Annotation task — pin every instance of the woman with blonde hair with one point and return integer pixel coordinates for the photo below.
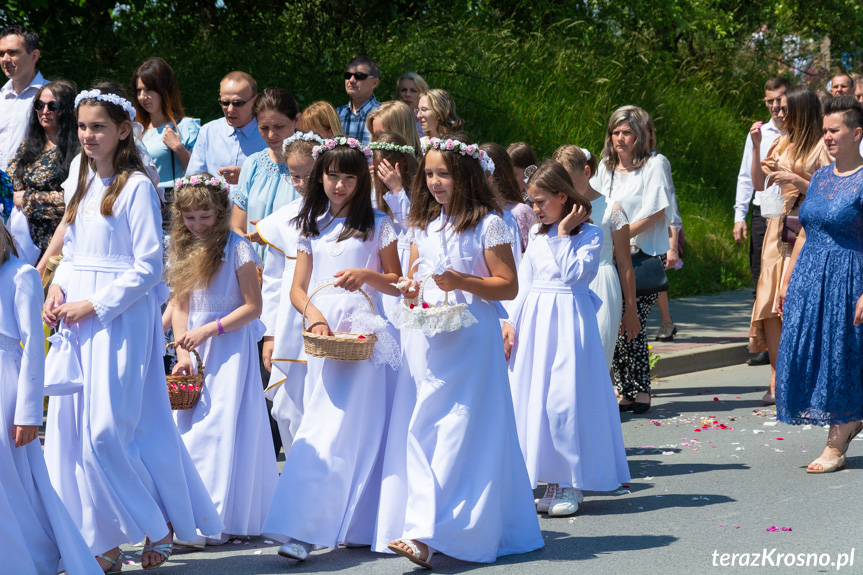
(436, 111)
(394, 116)
(408, 90)
(321, 118)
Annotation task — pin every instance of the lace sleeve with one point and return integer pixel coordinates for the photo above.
(304, 245)
(618, 218)
(388, 234)
(497, 233)
(245, 253)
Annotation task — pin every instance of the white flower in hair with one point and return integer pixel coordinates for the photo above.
(353, 143)
(304, 136)
(97, 94)
(471, 150)
(392, 148)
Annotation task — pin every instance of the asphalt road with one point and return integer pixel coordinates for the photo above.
(736, 486)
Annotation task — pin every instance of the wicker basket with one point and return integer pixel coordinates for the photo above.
(185, 390)
(432, 319)
(342, 346)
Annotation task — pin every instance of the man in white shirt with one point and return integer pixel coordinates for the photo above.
(774, 89)
(19, 53)
(224, 144)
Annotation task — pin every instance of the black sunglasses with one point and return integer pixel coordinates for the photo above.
(360, 76)
(236, 103)
(52, 106)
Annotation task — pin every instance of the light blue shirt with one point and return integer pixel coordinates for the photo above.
(221, 145)
(264, 187)
(166, 161)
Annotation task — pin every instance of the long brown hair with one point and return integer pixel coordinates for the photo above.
(126, 160)
(398, 118)
(552, 178)
(471, 199)
(194, 262)
(503, 176)
(7, 244)
(573, 158)
(157, 75)
(443, 106)
(802, 122)
(406, 162)
(521, 155)
(360, 216)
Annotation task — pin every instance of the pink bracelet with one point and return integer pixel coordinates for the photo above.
(221, 329)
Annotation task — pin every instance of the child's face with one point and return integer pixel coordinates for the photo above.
(98, 134)
(438, 178)
(340, 188)
(199, 222)
(300, 167)
(274, 128)
(547, 207)
(519, 178)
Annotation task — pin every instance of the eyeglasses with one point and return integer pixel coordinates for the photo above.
(235, 103)
(360, 76)
(52, 106)
(299, 180)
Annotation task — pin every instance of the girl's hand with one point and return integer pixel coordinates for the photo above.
(755, 134)
(183, 367)
(18, 199)
(858, 312)
(53, 300)
(253, 236)
(321, 328)
(75, 312)
(572, 220)
(390, 176)
(24, 434)
(672, 257)
(352, 279)
(267, 353)
(630, 326)
(449, 280)
(508, 339)
(195, 337)
(171, 138)
(411, 289)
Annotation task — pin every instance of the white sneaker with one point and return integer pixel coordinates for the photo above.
(542, 504)
(565, 502)
(295, 549)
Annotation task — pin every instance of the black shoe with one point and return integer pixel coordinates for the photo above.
(639, 407)
(760, 358)
(625, 406)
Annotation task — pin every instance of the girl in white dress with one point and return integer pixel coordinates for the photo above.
(113, 451)
(568, 426)
(283, 352)
(213, 274)
(37, 531)
(615, 279)
(467, 491)
(328, 490)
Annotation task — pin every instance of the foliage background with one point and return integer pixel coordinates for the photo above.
(548, 72)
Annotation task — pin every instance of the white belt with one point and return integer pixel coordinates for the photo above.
(102, 263)
(559, 287)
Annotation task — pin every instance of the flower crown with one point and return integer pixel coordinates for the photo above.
(528, 172)
(196, 180)
(304, 136)
(331, 143)
(471, 150)
(97, 94)
(393, 148)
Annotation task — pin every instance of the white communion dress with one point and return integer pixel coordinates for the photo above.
(227, 432)
(286, 387)
(568, 419)
(35, 527)
(466, 491)
(112, 448)
(330, 483)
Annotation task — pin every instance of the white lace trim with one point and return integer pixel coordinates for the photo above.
(304, 245)
(460, 409)
(618, 219)
(9, 343)
(211, 303)
(100, 309)
(387, 350)
(497, 233)
(270, 167)
(388, 234)
(245, 253)
(431, 320)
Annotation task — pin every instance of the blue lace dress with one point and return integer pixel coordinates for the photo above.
(819, 373)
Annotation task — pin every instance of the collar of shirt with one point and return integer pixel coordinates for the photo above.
(365, 108)
(247, 130)
(771, 127)
(37, 82)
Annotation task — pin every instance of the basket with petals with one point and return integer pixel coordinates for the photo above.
(184, 391)
(342, 346)
(431, 319)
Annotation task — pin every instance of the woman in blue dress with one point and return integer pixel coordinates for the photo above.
(819, 379)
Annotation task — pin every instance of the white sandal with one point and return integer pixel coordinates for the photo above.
(414, 552)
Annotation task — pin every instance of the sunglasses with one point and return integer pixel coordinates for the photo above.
(52, 106)
(235, 103)
(360, 76)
